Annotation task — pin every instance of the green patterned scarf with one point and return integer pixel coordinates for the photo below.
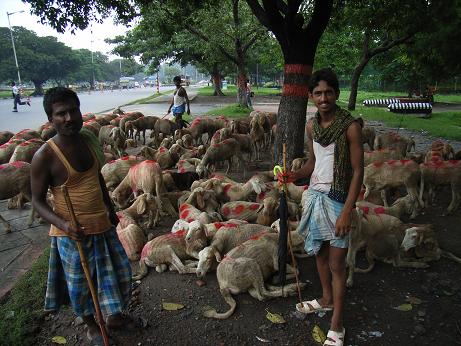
(336, 132)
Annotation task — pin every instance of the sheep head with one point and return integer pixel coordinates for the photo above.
(205, 260)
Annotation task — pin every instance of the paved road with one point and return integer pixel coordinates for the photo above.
(34, 116)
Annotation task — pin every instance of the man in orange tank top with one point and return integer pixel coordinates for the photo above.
(71, 158)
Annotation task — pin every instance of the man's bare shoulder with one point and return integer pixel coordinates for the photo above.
(182, 91)
(43, 155)
(354, 128)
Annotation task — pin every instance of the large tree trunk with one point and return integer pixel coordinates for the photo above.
(216, 76)
(291, 119)
(242, 97)
(38, 84)
(355, 83)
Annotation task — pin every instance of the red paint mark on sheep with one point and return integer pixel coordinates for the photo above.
(184, 214)
(183, 207)
(226, 211)
(239, 209)
(226, 188)
(257, 235)
(18, 164)
(379, 210)
(404, 162)
(378, 163)
(125, 158)
(365, 210)
(254, 206)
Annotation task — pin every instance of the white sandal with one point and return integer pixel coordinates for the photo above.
(311, 306)
(335, 338)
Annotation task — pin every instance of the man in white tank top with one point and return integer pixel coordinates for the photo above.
(179, 102)
(335, 167)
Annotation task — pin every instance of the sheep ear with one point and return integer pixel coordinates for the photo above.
(200, 200)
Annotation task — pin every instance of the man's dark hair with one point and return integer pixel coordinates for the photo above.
(325, 74)
(177, 78)
(58, 94)
(13, 84)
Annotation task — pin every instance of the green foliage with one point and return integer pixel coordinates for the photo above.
(40, 58)
(24, 305)
(231, 111)
(232, 91)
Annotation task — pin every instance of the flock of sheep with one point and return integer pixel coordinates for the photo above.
(232, 227)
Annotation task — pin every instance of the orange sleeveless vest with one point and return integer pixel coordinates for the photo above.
(85, 194)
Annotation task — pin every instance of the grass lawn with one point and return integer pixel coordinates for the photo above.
(443, 124)
(231, 111)
(365, 95)
(7, 94)
(232, 91)
(24, 305)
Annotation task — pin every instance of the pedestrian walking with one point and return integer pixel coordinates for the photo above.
(17, 97)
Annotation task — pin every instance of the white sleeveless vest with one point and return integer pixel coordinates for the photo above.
(322, 177)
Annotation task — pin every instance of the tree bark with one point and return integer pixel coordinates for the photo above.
(355, 83)
(217, 84)
(38, 85)
(291, 118)
(242, 97)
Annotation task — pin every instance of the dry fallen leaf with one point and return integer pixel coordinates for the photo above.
(404, 307)
(414, 300)
(59, 340)
(172, 306)
(318, 335)
(274, 318)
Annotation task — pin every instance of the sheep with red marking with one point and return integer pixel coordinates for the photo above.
(381, 155)
(7, 149)
(5, 136)
(441, 173)
(147, 177)
(115, 171)
(163, 251)
(223, 151)
(133, 240)
(392, 174)
(225, 239)
(142, 124)
(402, 206)
(190, 213)
(394, 141)
(26, 150)
(14, 180)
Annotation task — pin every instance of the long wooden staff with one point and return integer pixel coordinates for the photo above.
(86, 269)
(295, 266)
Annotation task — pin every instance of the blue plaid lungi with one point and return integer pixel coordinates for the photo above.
(179, 110)
(318, 222)
(109, 267)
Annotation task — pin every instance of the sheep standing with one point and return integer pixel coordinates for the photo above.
(223, 151)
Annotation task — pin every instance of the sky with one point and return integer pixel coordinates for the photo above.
(81, 39)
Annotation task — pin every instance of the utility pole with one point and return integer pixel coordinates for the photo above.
(12, 42)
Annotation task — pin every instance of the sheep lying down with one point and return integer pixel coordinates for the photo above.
(246, 268)
(164, 251)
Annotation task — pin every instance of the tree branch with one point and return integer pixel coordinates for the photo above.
(259, 12)
(385, 46)
(320, 18)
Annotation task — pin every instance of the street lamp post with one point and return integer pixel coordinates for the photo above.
(12, 42)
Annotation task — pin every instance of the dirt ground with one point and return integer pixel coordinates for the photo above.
(370, 314)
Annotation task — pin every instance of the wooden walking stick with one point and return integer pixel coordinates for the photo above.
(295, 266)
(86, 269)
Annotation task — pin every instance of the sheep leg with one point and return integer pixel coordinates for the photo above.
(454, 199)
(228, 165)
(399, 263)
(371, 264)
(178, 265)
(143, 270)
(384, 198)
(6, 224)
